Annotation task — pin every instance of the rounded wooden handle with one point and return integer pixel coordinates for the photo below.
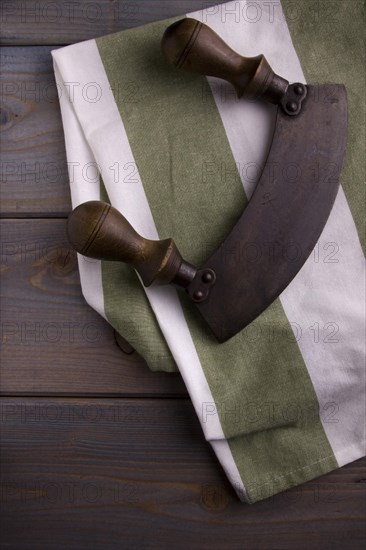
(97, 230)
(192, 45)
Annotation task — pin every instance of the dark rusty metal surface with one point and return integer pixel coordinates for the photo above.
(199, 289)
(285, 216)
(292, 100)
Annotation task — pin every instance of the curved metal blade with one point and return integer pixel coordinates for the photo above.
(285, 216)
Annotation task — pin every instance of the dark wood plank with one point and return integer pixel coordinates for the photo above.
(52, 341)
(65, 22)
(34, 179)
(108, 474)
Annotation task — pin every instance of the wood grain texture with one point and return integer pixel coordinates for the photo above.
(52, 341)
(64, 22)
(34, 176)
(107, 474)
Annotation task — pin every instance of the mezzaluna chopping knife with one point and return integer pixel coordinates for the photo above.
(230, 290)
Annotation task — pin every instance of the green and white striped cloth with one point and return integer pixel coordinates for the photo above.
(284, 400)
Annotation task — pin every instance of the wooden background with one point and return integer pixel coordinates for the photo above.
(98, 452)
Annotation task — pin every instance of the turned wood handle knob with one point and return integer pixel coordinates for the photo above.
(192, 45)
(97, 230)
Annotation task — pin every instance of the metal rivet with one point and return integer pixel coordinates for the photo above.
(198, 295)
(291, 106)
(299, 90)
(207, 277)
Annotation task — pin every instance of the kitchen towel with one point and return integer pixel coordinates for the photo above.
(179, 155)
